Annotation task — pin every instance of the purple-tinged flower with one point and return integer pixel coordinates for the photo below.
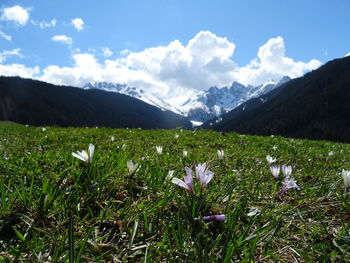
(275, 170)
(286, 170)
(289, 183)
(213, 218)
(270, 159)
(202, 175)
(265, 197)
(93, 186)
(187, 183)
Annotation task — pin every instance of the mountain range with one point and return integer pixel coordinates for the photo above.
(206, 105)
(315, 106)
(38, 103)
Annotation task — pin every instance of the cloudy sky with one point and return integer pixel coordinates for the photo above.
(170, 46)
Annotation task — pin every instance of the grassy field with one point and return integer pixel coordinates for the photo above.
(58, 208)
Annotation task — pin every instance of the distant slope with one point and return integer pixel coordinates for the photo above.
(9, 124)
(316, 106)
(38, 103)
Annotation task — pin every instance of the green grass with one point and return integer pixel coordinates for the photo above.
(9, 124)
(56, 208)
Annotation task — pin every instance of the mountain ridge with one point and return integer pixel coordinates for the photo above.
(315, 106)
(206, 105)
(34, 102)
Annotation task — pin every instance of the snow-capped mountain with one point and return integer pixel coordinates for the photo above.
(133, 92)
(216, 101)
(205, 105)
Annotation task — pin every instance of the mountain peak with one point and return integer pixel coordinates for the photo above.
(207, 104)
(315, 106)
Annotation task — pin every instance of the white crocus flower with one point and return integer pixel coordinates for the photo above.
(112, 138)
(346, 178)
(270, 159)
(275, 170)
(286, 170)
(184, 154)
(253, 211)
(220, 154)
(132, 167)
(85, 156)
(159, 150)
(176, 136)
(170, 175)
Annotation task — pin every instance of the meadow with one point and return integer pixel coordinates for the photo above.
(55, 207)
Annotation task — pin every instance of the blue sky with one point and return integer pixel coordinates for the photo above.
(167, 46)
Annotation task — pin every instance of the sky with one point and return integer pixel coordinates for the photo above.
(170, 47)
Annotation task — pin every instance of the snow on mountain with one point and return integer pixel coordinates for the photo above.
(133, 92)
(216, 101)
(204, 105)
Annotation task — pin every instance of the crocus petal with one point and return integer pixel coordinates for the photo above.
(200, 168)
(283, 190)
(270, 159)
(81, 155)
(275, 171)
(220, 154)
(170, 175)
(132, 167)
(346, 177)
(214, 218)
(189, 182)
(91, 151)
(188, 171)
(253, 211)
(181, 183)
(206, 178)
(286, 170)
(77, 155)
(289, 184)
(130, 164)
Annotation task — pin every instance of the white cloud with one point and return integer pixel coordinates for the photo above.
(7, 53)
(18, 70)
(62, 39)
(176, 70)
(106, 52)
(45, 24)
(272, 63)
(203, 62)
(78, 24)
(5, 36)
(347, 55)
(16, 14)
